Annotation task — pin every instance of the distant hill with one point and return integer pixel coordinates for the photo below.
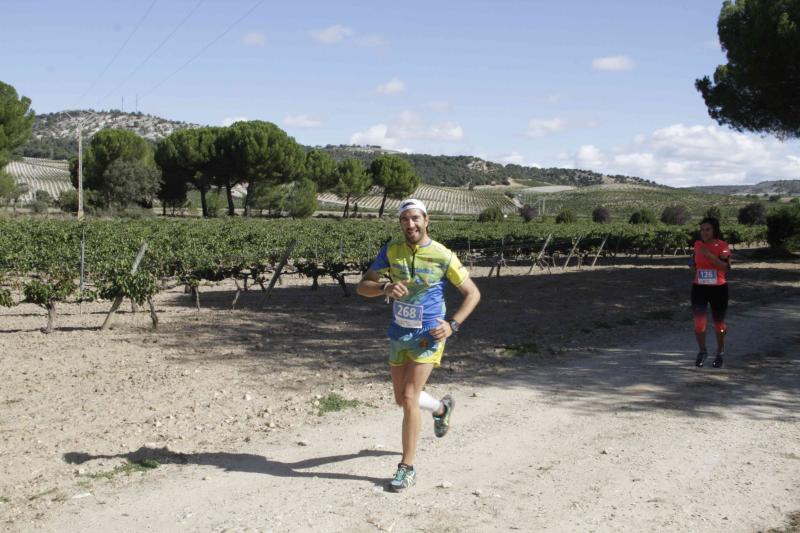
(465, 171)
(55, 137)
(784, 187)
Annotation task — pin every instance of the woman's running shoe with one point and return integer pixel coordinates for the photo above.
(701, 358)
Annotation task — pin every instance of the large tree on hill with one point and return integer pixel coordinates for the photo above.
(188, 156)
(321, 169)
(353, 181)
(16, 121)
(258, 153)
(130, 182)
(396, 175)
(758, 89)
(106, 148)
(301, 202)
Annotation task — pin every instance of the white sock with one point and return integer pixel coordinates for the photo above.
(428, 402)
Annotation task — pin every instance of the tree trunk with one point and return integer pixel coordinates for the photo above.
(229, 194)
(346, 206)
(51, 317)
(342, 283)
(196, 294)
(153, 315)
(383, 203)
(204, 202)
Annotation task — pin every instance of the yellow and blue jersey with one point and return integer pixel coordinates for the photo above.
(426, 268)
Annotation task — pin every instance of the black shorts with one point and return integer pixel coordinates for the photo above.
(715, 295)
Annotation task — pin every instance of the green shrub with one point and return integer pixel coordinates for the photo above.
(601, 215)
(491, 214)
(675, 215)
(565, 217)
(752, 214)
(713, 212)
(783, 228)
(643, 216)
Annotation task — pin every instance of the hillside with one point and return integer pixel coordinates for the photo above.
(55, 137)
(786, 187)
(55, 134)
(465, 171)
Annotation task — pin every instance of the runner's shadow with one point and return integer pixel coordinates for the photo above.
(242, 462)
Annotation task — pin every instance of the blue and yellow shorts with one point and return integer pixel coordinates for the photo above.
(417, 346)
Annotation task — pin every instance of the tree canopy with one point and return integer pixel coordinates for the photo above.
(16, 121)
(758, 89)
(187, 157)
(257, 152)
(321, 169)
(106, 148)
(353, 181)
(396, 175)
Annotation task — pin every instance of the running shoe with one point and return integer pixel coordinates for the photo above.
(442, 423)
(701, 358)
(403, 478)
(718, 360)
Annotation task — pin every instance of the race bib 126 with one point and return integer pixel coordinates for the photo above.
(706, 277)
(407, 315)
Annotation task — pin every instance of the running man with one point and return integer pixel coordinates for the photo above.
(710, 263)
(418, 268)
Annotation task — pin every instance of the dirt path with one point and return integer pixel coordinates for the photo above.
(626, 439)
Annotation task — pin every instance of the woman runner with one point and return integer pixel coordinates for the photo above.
(710, 263)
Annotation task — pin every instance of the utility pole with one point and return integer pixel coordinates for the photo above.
(80, 171)
(137, 103)
(122, 105)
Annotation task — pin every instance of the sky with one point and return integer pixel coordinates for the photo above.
(605, 86)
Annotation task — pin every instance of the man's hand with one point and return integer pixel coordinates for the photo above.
(396, 290)
(442, 331)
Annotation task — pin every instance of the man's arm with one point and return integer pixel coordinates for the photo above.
(372, 286)
(472, 296)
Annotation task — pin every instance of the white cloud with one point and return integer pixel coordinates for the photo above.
(338, 34)
(301, 121)
(554, 98)
(613, 63)
(513, 158)
(370, 41)
(374, 135)
(254, 38)
(332, 34)
(393, 86)
(227, 121)
(540, 127)
(683, 155)
(408, 126)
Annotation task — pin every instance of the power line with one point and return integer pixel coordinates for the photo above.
(204, 48)
(151, 54)
(119, 51)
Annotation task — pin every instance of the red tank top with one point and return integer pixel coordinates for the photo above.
(706, 272)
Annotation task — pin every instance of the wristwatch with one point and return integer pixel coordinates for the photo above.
(454, 325)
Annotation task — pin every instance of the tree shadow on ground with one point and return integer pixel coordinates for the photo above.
(579, 337)
(242, 462)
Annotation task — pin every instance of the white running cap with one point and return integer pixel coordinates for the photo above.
(411, 203)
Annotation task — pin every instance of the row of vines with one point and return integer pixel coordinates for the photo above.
(40, 259)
